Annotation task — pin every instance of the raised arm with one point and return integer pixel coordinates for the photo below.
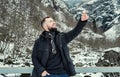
(69, 36)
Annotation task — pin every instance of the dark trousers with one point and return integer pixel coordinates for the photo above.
(57, 75)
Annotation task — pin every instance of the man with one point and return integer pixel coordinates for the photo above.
(50, 54)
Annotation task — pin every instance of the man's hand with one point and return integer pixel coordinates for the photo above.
(44, 73)
(84, 16)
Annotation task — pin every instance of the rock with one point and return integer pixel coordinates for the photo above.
(110, 58)
(25, 75)
(8, 60)
(79, 64)
(1, 60)
(27, 64)
(87, 76)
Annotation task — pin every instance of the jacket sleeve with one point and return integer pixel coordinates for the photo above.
(35, 59)
(69, 36)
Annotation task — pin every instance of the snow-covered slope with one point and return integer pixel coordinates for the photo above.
(87, 33)
(117, 49)
(105, 13)
(19, 27)
(102, 11)
(113, 33)
(56, 4)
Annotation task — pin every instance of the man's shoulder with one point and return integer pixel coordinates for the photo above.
(38, 39)
(61, 35)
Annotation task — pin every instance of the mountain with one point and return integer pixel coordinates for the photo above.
(105, 13)
(113, 33)
(20, 20)
(71, 3)
(105, 16)
(20, 27)
(56, 4)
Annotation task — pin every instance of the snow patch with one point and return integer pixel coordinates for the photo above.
(91, 1)
(90, 74)
(88, 33)
(117, 49)
(1, 25)
(113, 33)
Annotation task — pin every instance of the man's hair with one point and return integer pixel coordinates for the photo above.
(43, 20)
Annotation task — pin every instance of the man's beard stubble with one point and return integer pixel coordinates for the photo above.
(53, 29)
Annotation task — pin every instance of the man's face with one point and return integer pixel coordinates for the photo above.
(50, 23)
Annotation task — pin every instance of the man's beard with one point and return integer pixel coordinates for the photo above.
(53, 29)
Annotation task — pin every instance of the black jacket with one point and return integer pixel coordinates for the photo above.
(41, 50)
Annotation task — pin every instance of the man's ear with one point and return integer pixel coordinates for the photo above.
(44, 24)
(45, 27)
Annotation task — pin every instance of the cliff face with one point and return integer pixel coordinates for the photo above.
(20, 25)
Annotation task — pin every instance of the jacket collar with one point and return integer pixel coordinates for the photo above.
(46, 34)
